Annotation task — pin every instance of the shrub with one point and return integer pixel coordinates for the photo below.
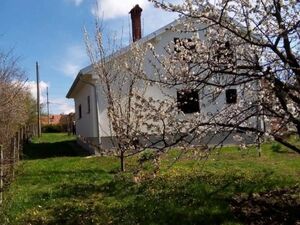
(276, 147)
(147, 155)
(52, 129)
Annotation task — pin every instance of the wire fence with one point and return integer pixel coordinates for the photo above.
(10, 155)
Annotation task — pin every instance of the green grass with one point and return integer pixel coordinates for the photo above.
(52, 145)
(53, 138)
(81, 190)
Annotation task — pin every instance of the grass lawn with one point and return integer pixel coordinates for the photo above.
(52, 145)
(76, 190)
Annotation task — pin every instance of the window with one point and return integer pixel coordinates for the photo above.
(224, 54)
(79, 112)
(231, 96)
(188, 101)
(88, 104)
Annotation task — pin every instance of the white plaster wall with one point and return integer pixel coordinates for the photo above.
(104, 123)
(86, 126)
(154, 92)
(159, 43)
(205, 108)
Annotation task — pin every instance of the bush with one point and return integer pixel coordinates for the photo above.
(147, 155)
(276, 147)
(52, 129)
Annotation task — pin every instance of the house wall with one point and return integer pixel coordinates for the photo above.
(86, 126)
(205, 106)
(159, 43)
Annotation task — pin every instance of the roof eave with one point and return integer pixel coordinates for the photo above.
(74, 84)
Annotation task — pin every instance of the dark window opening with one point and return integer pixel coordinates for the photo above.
(79, 112)
(188, 101)
(88, 104)
(231, 96)
(225, 54)
(241, 131)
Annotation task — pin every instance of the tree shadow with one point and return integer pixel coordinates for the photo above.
(202, 198)
(49, 150)
(121, 201)
(90, 203)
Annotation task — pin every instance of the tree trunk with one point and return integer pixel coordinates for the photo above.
(122, 161)
(298, 129)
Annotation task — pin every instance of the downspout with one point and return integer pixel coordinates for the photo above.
(96, 108)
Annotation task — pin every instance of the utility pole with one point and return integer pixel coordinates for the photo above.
(38, 99)
(48, 106)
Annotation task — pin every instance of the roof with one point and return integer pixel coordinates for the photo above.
(88, 69)
(75, 82)
(53, 119)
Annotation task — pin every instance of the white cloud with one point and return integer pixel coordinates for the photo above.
(152, 18)
(61, 105)
(31, 85)
(110, 9)
(155, 18)
(70, 69)
(57, 105)
(76, 2)
(74, 59)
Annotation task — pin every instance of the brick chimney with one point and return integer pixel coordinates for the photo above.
(136, 12)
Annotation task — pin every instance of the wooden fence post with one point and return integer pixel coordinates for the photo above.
(21, 142)
(13, 142)
(21, 136)
(1, 173)
(25, 134)
(17, 146)
(32, 130)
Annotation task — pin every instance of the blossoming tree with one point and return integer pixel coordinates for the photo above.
(135, 117)
(252, 45)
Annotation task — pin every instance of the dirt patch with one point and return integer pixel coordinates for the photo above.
(280, 206)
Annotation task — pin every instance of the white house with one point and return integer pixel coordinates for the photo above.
(92, 124)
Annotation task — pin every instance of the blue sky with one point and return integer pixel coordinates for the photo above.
(51, 32)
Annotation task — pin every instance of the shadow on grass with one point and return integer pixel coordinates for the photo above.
(48, 150)
(123, 202)
(198, 199)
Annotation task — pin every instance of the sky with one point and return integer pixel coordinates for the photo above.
(51, 32)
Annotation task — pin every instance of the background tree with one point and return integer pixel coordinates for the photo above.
(251, 44)
(16, 103)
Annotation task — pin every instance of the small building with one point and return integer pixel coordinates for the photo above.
(53, 119)
(92, 123)
(64, 122)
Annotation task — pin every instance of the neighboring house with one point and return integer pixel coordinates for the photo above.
(51, 120)
(65, 121)
(92, 124)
